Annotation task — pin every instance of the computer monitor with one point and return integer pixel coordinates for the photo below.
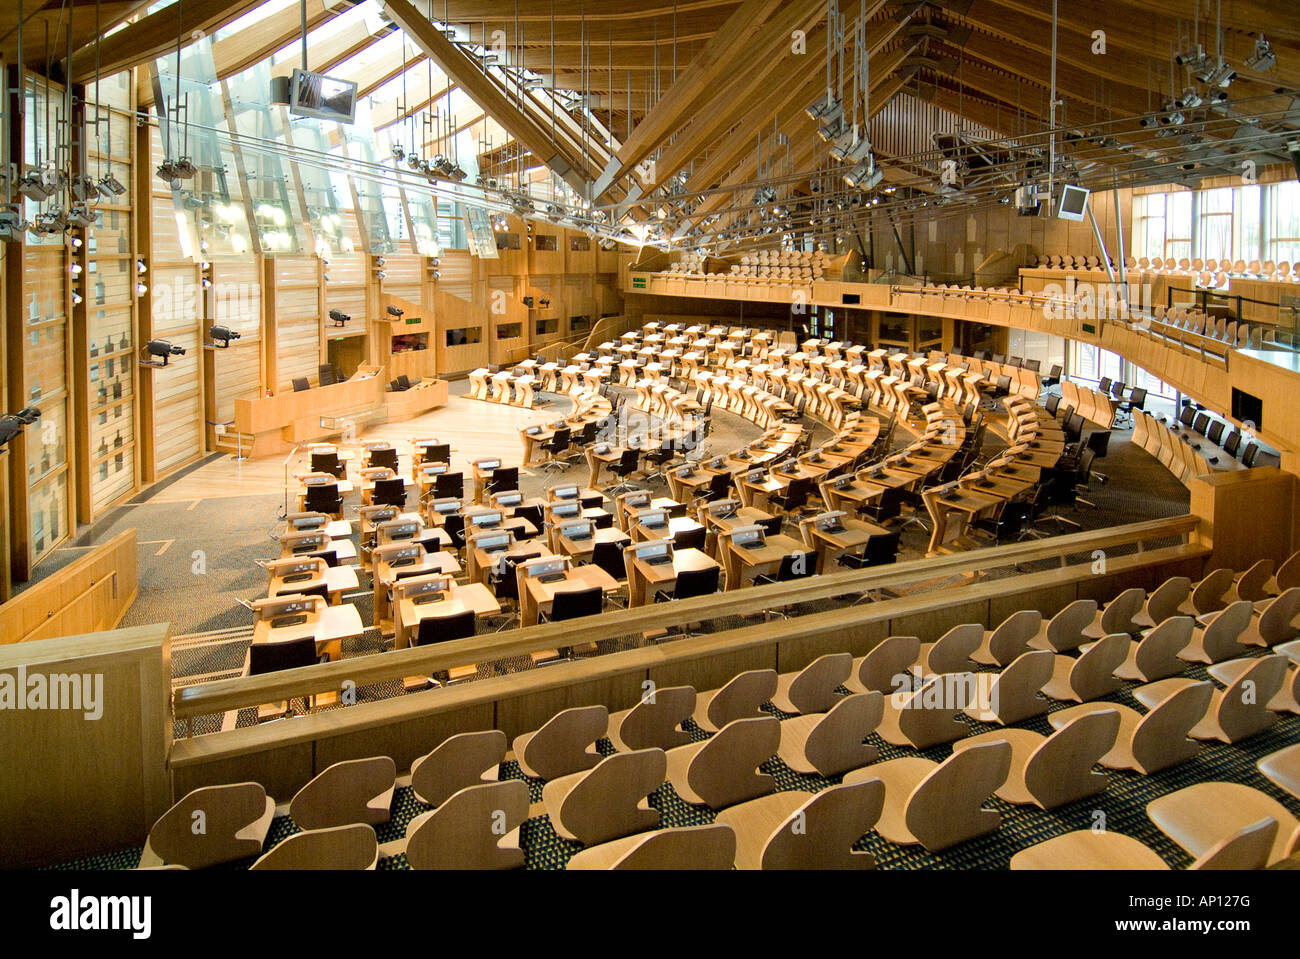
(486, 465)
(569, 491)
(742, 535)
(1074, 203)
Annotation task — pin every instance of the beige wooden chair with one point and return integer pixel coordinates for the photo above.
(812, 689)
(1050, 771)
(477, 828)
(609, 800)
(1219, 639)
(798, 830)
(1283, 768)
(685, 847)
(1065, 631)
(738, 699)
(939, 805)
(465, 759)
(1011, 638)
(1211, 594)
(1239, 710)
(1091, 674)
(1155, 656)
(1200, 816)
(882, 669)
(1247, 848)
(951, 652)
(723, 771)
(1164, 601)
(352, 847)
(1119, 615)
(236, 819)
(565, 744)
(354, 791)
(1155, 740)
(1275, 623)
(927, 716)
(656, 721)
(830, 743)
(1251, 585)
(1286, 577)
(1013, 694)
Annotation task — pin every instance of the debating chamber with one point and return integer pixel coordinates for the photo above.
(648, 435)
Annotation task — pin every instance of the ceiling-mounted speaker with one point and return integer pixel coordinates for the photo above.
(281, 90)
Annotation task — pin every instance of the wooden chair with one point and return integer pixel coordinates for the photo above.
(476, 828)
(723, 771)
(354, 791)
(1065, 631)
(1286, 577)
(1218, 640)
(1002, 645)
(738, 699)
(608, 801)
(1013, 695)
(939, 805)
(1155, 656)
(1275, 623)
(1119, 615)
(1247, 848)
(685, 847)
(907, 720)
(656, 721)
(1239, 710)
(831, 743)
(1091, 674)
(565, 744)
(951, 652)
(812, 689)
(1283, 768)
(880, 670)
(1210, 595)
(1050, 771)
(1251, 585)
(1153, 741)
(796, 830)
(466, 759)
(1164, 602)
(236, 819)
(352, 847)
(1200, 816)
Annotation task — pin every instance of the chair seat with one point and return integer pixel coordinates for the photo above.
(1086, 849)
(679, 761)
(1200, 816)
(1283, 768)
(1058, 687)
(755, 821)
(901, 777)
(1121, 754)
(1023, 743)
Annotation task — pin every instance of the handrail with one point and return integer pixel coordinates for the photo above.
(221, 695)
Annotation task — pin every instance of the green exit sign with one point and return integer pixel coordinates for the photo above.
(638, 282)
(413, 321)
(1089, 328)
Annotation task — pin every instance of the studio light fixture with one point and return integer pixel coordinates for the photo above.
(110, 186)
(1263, 58)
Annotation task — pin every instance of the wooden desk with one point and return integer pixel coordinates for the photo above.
(386, 574)
(581, 550)
(337, 580)
(474, 596)
(645, 579)
(484, 562)
(831, 546)
(737, 560)
(333, 625)
(951, 516)
(535, 596)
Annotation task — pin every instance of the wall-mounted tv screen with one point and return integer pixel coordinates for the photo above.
(1247, 410)
(1074, 201)
(326, 98)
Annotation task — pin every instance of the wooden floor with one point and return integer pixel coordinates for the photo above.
(474, 429)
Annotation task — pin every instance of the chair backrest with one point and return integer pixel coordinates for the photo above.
(835, 745)
(1167, 597)
(696, 582)
(382, 457)
(923, 723)
(1250, 847)
(1013, 695)
(712, 846)
(1251, 584)
(627, 461)
(566, 742)
(389, 492)
(300, 383)
(609, 557)
(1243, 708)
(356, 790)
(575, 603)
(690, 538)
(889, 659)
(1156, 656)
(352, 847)
(1208, 595)
(273, 657)
(609, 801)
(449, 485)
(503, 478)
(1220, 637)
(1118, 615)
(1013, 634)
(1092, 674)
(882, 548)
(1160, 737)
(1060, 770)
(236, 820)
(325, 374)
(323, 499)
(725, 770)
(439, 629)
(1288, 574)
(951, 652)
(741, 697)
(458, 761)
(1065, 629)
(946, 807)
(1275, 621)
(468, 832)
(821, 833)
(657, 719)
(813, 689)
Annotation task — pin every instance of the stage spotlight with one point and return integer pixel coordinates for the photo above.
(1263, 59)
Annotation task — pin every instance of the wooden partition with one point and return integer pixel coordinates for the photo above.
(277, 422)
(93, 592)
(91, 776)
(1247, 515)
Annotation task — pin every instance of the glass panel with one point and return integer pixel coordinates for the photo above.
(47, 441)
(45, 365)
(48, 515)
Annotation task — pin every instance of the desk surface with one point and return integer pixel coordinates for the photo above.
(332, 624)
(475, 596)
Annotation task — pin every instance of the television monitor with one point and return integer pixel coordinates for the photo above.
(322, 97)
(1247, 409)
(1074, 203)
